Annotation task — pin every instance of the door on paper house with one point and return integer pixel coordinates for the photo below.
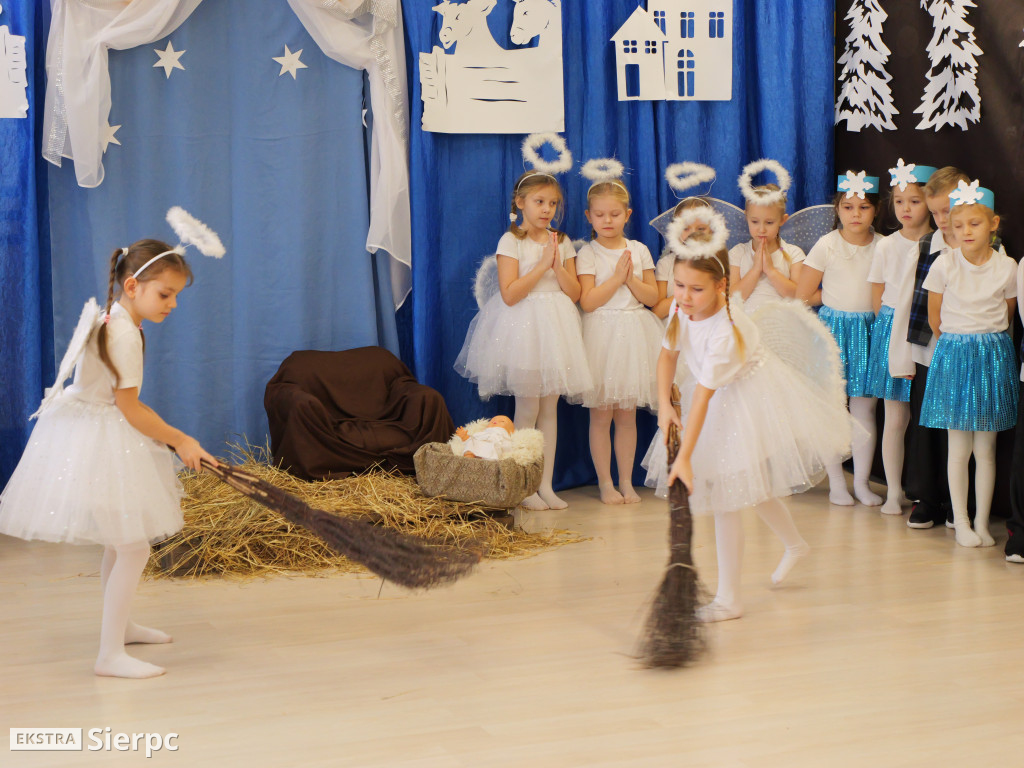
(632, 81)
(686, 86)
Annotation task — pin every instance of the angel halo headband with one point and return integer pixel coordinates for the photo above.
(684, 176)
(904, 174)
(542, 167)
(190, 231)
(972, 194)
(857, 184)
(691, 249)
(764, 196)
(603, 170)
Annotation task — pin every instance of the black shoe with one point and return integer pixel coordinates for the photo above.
(921, 516)
(1014, 547)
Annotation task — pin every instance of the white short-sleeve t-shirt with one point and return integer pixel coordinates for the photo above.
(94, 381)
(844, 268)
(973, 296)
(528, 253)
(663, 271)
(710, 348)
(594, 259)
(742, 256)
(893, 265)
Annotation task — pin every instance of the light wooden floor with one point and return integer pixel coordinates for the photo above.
(887, 647)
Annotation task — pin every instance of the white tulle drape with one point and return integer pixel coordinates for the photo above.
(367, 34)
(362, 34)
(77, 77)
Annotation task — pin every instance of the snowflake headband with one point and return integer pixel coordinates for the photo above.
(903, 175)
(692, 249)
(857, 184)
(684, 176)
(764, 196)
(972, 194)
(190, 231)
(603, 170)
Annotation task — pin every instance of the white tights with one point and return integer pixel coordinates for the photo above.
(541, 413)
(983, 446)
(863, 411)
(625, 451)
(729, 547)
(120, 572)
(897, 417)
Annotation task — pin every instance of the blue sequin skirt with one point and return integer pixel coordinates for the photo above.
(880, 383)
(972, 383)
(852, 332)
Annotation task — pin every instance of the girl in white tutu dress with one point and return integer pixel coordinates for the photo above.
(767, 413)
(527, 341)
(97, 468)
(620, 335)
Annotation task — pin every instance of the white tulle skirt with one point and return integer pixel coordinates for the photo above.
(769, 433)
(622, 347)
(533, 348)
(87, 476)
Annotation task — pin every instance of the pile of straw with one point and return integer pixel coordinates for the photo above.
(229, 535)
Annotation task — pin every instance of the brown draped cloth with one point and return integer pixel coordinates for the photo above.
(335, 413)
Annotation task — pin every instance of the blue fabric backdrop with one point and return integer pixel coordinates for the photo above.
(277, 166)
(461, 184)
(26, 326)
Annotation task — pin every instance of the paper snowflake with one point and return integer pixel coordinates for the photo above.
(855, 184)
(902, 175)
(965, 194)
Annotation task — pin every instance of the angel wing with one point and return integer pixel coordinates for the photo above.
(86, 322)
(485, 284)
(805, 227)
(735, 221)
(793, 332)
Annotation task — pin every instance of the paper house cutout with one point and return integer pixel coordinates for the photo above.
(676, 50)
(13, 78)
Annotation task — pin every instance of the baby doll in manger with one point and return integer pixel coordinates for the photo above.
(491, 442)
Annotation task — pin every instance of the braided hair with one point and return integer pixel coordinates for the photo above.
(125, 262)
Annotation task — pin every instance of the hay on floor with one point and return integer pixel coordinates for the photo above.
(229, 535)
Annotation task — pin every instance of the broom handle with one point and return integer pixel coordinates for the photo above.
(673, 431)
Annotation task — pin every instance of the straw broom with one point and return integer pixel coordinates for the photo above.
(406, 560)
(673, 635)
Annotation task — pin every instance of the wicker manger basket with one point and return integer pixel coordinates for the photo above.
(501, 484)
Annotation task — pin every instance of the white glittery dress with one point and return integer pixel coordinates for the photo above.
(778, 415)
(88, 476)
(622, 337)
(534, 347)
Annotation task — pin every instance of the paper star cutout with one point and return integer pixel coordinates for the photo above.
(168, 59)
(110, 138)
(902, 175)
(854, 184)
(290, 62)
(965, 194)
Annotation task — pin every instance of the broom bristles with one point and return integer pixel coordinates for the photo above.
(673, 634)
(410, 561)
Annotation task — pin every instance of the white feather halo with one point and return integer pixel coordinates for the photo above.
(690, 248)
(602, 169)
(683, 176)
(764, 197)
(535, 141)
(191, 231)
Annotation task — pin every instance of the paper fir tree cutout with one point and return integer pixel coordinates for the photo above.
(951, 96)
(865, 99)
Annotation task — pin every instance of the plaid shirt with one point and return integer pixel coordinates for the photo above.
(918, 330)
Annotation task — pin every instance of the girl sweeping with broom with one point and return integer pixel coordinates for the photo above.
(744, 443)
